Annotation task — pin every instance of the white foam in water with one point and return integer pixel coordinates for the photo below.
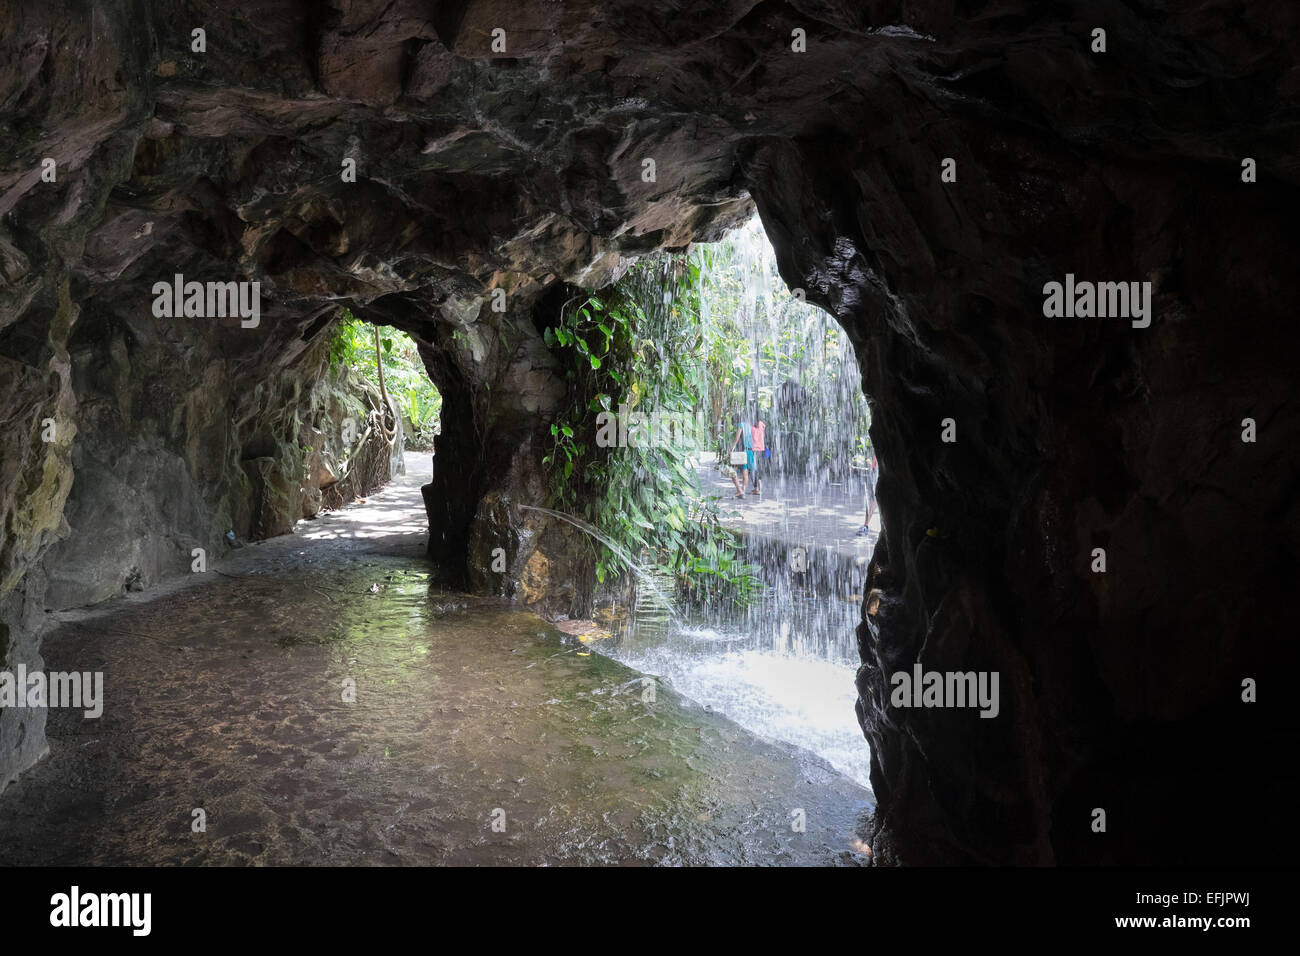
(706, 634)
(805, 702)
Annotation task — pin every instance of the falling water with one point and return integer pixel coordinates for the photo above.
(782, 666)
(652, 587)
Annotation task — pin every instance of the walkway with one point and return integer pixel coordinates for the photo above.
(225, 694)
(797, 512)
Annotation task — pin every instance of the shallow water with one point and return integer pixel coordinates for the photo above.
(227, 696)
(782, 671)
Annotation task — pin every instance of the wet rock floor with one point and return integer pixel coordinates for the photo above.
(479, 734)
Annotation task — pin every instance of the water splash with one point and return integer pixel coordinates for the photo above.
(783, 664)
(645, 577)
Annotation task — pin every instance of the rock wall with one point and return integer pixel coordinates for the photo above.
(1071, 434)
(157, 449)
(394, 158)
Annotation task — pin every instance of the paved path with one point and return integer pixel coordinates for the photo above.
(323, 700)
(797, 511)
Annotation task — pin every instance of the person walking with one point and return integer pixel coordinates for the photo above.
(872, 470)
(760, 453)
(745, 435)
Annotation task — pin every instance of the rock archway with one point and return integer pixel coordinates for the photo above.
(394, 158)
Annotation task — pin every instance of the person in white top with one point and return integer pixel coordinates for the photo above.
(742, 441)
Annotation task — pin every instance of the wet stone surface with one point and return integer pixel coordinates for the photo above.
(227, 695)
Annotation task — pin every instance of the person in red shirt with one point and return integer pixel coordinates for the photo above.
(760, 453)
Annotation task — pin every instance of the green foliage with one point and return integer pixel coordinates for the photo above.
(353, 347)
(635, 345)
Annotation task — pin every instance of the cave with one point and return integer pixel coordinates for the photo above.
(1095, 505)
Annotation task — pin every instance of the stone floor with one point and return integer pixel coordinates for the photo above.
(478, 734)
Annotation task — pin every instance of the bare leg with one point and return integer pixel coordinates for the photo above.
(866, 522)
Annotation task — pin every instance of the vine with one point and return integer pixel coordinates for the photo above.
(629, 352)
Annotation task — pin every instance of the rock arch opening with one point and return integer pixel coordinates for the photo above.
(923, 173)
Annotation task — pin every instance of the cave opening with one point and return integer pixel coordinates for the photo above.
(388, 418)
(1098, 510)
(760, 622)
(766, 390)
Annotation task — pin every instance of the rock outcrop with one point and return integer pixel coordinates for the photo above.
(483, 169)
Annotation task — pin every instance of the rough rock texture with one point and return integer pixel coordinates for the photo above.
(480, 170)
